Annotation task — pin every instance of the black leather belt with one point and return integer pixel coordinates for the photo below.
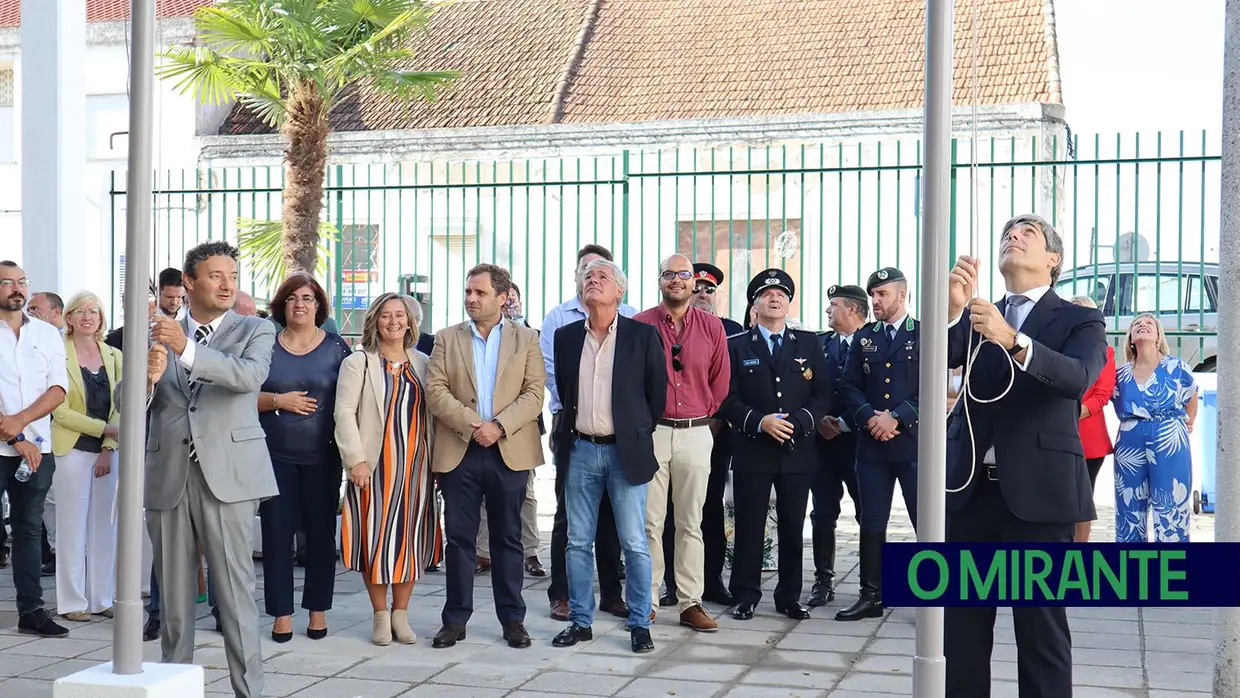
(597, 440)
(686, 423)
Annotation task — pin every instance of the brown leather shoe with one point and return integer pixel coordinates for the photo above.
(483, 565)
(696, 617)
(615, 607)
(559, 610)
(534, 567)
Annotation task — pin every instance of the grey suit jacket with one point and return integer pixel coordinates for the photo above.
(221, 417)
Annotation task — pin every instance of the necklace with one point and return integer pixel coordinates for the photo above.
(303, 349)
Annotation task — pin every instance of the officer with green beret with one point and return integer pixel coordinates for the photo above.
(880, 396)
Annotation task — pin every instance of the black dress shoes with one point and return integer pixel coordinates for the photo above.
(718, 593)
(515, 635)
(639, 640)
(572, 635)
(150, 631)
(794, 611)
(448, 636)
(821, 594)
(744, 610)
(668, 599)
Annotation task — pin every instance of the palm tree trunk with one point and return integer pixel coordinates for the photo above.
(305, 164)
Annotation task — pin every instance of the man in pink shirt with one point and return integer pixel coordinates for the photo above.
(699, 374)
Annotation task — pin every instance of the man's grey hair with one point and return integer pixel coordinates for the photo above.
(1054, 243)
(621, 280)
(414, 308)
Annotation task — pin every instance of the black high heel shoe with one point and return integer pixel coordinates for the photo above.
(281, 637)
(315, 633)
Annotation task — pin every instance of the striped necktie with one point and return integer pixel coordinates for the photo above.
(201, 335)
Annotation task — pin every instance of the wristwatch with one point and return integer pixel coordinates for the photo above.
(18, 439)
(1022, 343)
(502, 432)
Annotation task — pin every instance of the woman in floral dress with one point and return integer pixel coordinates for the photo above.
(1156, 402)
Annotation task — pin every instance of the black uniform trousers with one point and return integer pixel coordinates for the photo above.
(1043, 640)
(606, 540)
(837, 471)
(714, 536)
(751, 493)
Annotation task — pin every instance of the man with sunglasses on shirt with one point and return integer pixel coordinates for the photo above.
(699, 375)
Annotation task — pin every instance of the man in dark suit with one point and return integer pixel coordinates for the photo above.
(781, 390)
(612, 383)
(881, 379)
(1031, 485)
(837, 441)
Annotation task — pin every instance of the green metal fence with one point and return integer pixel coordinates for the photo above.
(1138, 214)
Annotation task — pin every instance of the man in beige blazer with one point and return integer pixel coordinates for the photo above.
(485, 387)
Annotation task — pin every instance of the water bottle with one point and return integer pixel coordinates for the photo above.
(24, 472)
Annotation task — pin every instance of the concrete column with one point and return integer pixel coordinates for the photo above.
(1227, 517)
(53, 144)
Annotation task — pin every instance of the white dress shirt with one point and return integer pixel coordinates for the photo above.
(187, 359)
(31, 363)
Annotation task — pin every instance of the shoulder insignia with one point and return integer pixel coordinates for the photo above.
(909, 323)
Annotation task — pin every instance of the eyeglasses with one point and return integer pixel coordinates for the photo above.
(306, 300)
(682, 275)
(708, 290)
(677, 364)
(10, 283)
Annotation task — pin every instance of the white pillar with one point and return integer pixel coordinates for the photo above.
(1227, 506)
(53, 145)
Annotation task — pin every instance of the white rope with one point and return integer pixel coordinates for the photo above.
(971, 352)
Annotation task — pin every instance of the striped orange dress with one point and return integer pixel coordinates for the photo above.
(388, 531)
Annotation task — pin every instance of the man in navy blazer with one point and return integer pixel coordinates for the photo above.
(611, 378)
(1015, 467)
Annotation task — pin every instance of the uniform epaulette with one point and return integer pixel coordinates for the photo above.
(738, 334)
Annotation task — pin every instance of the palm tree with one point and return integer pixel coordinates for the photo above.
(290, 62)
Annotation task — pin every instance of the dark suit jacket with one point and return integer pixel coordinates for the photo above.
(116, 339)
(638, 393)
(799, 385)
(1041, 465)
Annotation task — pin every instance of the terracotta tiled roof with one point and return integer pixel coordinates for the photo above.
(105, 10)
(640, 60)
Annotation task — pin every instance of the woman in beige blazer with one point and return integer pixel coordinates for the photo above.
(383, 429)
(84, 433)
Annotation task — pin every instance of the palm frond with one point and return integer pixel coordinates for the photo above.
(409, 85)
(230, 32)
(212, 78)
(261, 244)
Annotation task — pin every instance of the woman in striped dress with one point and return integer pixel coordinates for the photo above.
(383, 430)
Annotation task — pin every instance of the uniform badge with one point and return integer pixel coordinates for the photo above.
(865, 368)
(801, 363)
(908, 345)
(808, 373)
(882, 274)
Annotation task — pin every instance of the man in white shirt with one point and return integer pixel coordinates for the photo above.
(33, 382)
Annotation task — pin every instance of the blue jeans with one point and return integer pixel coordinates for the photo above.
(594, 470)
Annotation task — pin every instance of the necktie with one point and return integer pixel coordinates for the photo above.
(1012, 313)
(891, 333)
(201, 335)
(775, 339)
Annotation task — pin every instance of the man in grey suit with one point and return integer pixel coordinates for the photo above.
(207, 466)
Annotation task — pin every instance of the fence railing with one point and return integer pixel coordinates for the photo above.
(1138, 216)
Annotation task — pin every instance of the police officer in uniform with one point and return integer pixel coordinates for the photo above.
(837, 441)
(880, 402)
(781, 390)
(706, 278)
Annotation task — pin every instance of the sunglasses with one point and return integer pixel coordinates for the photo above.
(677, 364)
(708, 290)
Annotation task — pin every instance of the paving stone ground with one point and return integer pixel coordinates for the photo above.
(1118, 653)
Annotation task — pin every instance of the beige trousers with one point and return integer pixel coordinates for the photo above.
(684, 466)
(529, 524)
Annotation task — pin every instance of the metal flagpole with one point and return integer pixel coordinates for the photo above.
(929, 666)
(1227, 508)
(127, 629)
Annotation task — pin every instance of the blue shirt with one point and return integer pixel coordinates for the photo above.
(296, 438)
(486, 365)
(767, 334)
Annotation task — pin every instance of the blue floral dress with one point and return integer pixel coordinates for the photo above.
(1153, 462)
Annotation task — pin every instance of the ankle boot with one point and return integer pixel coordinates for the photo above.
(823, 591)
(870, 602)
(381, 633)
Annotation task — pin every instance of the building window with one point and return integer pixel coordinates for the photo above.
(7, 134)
